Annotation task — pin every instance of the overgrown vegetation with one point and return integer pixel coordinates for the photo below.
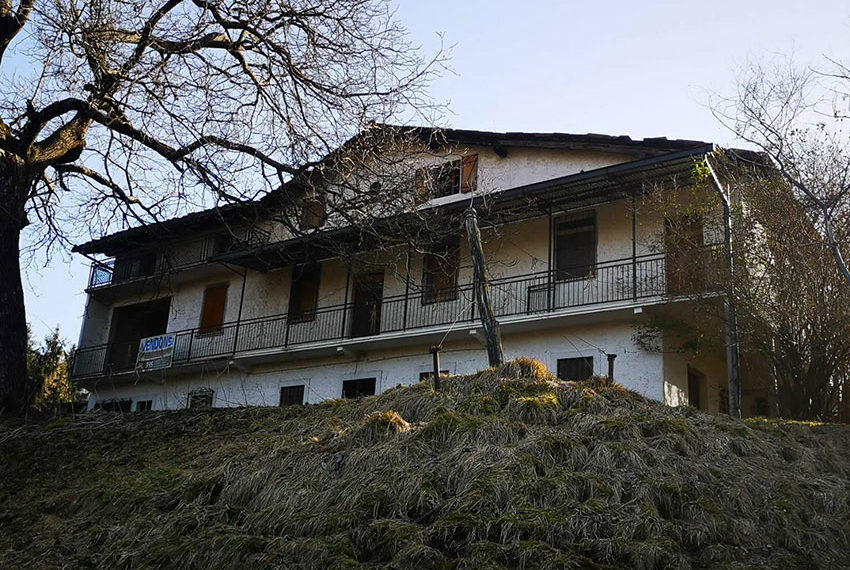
(508, 468)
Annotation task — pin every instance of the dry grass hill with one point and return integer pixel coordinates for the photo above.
(507, 468)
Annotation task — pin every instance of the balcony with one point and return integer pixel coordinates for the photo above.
(179, 256)
(519, 297)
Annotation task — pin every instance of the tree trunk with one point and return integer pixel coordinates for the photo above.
(13, 322)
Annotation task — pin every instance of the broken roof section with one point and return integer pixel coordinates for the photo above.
(641, 149)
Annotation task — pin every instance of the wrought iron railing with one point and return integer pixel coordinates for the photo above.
(180, 255)
(530, 294)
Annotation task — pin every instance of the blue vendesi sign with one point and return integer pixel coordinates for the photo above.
(155, 352)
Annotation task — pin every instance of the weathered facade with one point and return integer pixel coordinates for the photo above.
(569, 279)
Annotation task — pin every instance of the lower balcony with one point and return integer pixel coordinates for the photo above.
(519, 297)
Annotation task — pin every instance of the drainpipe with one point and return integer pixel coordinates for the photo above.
(239, 315)
(733, 359)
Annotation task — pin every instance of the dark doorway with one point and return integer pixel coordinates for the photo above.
(358, 388)
(366, 314)
(696, 379)
(129, 325)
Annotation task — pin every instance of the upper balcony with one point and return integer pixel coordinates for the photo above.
(140, 268)
(518, 299)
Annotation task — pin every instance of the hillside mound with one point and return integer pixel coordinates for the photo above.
(508, 468)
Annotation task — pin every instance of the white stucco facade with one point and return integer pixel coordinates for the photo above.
(592, 317)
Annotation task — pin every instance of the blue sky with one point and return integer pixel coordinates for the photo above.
(642, 69)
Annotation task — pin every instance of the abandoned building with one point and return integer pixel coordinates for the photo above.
(210, 310)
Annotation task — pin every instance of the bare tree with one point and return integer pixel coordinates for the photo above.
(119, 111)
(797, 117)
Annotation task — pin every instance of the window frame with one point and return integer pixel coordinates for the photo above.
(194, 399)
(213, 329)
(574, 272)
(462, 175)
(372, 379)
(586, 359)
(302, 315)
(303, 387)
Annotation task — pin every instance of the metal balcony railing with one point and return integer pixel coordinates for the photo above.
(177, 256)
(531, 294)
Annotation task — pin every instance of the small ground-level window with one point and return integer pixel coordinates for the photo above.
(427, 376)
(144, 405)
(358, 388)
(580, 368)
(292, 395)
(202, 398)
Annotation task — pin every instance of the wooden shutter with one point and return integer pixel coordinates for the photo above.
(304, 293)
(440, 274)
(469, 173)
(313, 212)
(212, 313)
(421, 185)
(575, 247)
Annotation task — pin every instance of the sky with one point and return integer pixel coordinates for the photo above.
(643, 69)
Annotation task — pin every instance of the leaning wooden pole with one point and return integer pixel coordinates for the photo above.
(492, 332)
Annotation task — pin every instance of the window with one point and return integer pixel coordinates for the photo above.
(304, 293)
(683, 239)
(292, 395)
(201, 398)
(580, 368)
(119, 406)
(135, 266)
(427, 376)
(448, 178)
(212, 312)
(439, 274)
(575, 246)
(358, 388)
(144, 405)
(312, 212)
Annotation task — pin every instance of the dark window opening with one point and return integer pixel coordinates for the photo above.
(134, 266)
(358, 388)
(428, 376)
(446, 179)
(580, 368)
(130, 324)
(304, 293)
(200, 399)
(440, 274)
(144, 405)
(575, 247)
(696, 379)
(367, 301)
(119, 406)
(292, 395)
(212, 311)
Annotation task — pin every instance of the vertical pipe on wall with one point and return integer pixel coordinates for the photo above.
(549, 288)
(345, 302)
(239, 314)
(406, 292)
(634, 249)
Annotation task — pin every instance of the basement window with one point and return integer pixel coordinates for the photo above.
(440, 274)
(358, 388)
(212, 312)
(580, 368)
(457, 176)
(304, 293)
(119, 406)
(144, 405)
(292, 395)
(201, 398)
(575, 246)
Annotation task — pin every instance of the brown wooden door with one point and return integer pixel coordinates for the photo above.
(366, 313)
(685, 255)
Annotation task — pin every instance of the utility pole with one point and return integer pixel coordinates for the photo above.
(733, 358)
(492, 331)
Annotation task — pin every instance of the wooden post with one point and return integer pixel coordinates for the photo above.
(435, 351)
(482, 290)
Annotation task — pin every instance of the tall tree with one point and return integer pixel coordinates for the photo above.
(117, 111)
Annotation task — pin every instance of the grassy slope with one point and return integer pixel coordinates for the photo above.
(503, 469)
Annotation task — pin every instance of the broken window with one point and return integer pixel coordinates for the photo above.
(580, 368)
(358, 388)
(448, 178)
(292, 395)
(212, 311)
(201, 398)
(575, 246)
(440, 273)
(304, 293)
